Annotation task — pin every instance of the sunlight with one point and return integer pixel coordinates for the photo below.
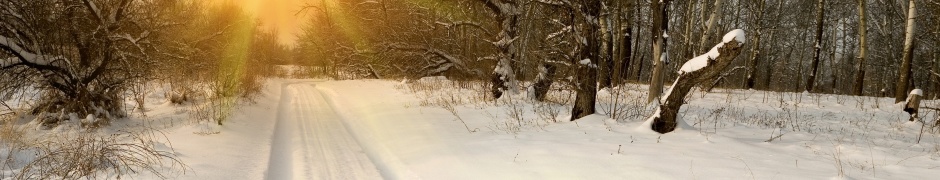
(339, 16)
(280, 15)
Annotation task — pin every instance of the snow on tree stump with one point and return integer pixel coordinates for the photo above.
(703, 68)
(913, 103)
(543, 82)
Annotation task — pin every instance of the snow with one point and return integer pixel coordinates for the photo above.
(553, 35)
(696, 63)
(585, 61)
(736, 35)
(664, 58)
(917, 92)
(307, 121)
(30, 57)
(701, 61)
(371, 129)
(504, 42)
(588, 63)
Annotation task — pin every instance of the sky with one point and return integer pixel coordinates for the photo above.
(279, 14)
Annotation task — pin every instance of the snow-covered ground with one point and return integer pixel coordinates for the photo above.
(430, 129)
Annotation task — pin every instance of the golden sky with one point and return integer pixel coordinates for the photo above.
(279, 14)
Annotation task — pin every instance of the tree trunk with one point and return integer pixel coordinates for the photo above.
(903, 86)
(504, 76)
(690, 22)
(755, 52)
(626, 53)
(605, 63)
(820, 14)
(935, 80)
(618, 38)
(664, 121)
(709, 30)
(624, 48)
(543, 82)
(660, 20)
(587, 73)
(859, 86)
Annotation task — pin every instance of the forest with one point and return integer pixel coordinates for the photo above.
(819, 46)
(99, 62)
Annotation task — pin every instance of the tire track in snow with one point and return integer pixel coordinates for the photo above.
(279, 164)
(312, 142)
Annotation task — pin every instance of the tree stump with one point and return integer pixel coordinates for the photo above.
(543, 82)
(913, 103)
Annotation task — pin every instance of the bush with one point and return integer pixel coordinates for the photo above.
(89, 156)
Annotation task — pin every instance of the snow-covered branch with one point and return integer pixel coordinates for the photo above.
(558, 33)
(708, 58)
(27, 58)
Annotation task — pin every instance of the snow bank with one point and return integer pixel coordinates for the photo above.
(701, 61)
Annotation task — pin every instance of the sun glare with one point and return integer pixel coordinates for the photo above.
(280, 15)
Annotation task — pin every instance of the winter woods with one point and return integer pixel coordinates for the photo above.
(811, 45)
(87, 85)
(82, 56)
(107, 47)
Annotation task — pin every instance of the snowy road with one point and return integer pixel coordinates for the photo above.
(312, 142)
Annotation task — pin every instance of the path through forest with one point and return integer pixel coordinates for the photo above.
(312, 142)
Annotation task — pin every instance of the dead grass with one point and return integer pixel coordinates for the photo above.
(89, 156)
(83, 155)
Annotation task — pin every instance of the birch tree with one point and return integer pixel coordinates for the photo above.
(859, 85)
(708, 31)
(756, 49)
(625, 34)
(904, 77)
(660, 19)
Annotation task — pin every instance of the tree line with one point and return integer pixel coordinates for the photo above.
(85, 54)
(853, 47)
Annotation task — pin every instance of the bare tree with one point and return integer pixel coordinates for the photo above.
(859, 85)
(904, 77)
(660, 14)
(84, 62)
(755, 50)
(507, 14)
(709, 31)
(820, 15)
(587, 68)
(625, 34)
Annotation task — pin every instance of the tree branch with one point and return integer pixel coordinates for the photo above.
(466, 23)
(437, 53)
